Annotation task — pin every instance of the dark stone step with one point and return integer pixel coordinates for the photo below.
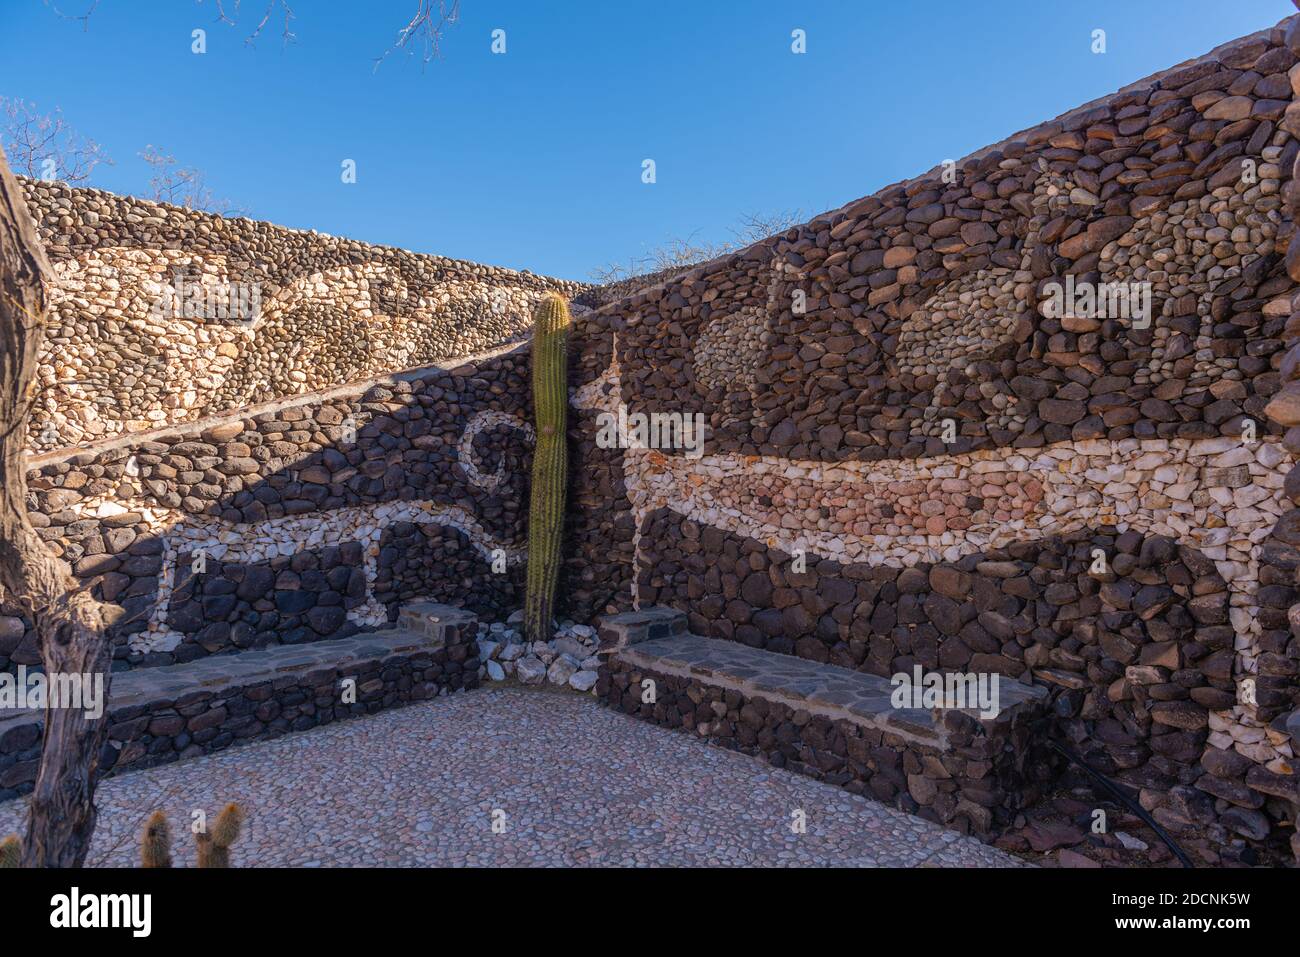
(963, 767)
(162, 714)
(823, 689)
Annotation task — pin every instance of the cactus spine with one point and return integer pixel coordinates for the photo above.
(550, 463)
(156, 842)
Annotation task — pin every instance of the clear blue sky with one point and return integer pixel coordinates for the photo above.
(533, 159)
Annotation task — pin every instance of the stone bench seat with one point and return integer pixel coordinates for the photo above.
(165, 713)
(824, 689)
(955, 766)
(253, 667)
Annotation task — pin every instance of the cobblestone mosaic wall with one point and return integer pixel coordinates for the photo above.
(921, 434)
(163, 315)
(309, 519)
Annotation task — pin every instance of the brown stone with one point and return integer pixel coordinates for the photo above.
(1180, 714)
(1231, 108)
(950, 582)
(1068, 412)
(896, 256)
(223, 431)
(1284, 407)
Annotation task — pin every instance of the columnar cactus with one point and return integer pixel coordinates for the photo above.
(156, 842)
(550, 463)
(214, 845)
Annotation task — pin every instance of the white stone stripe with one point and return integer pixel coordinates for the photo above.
(262, 541)
(1151, 486)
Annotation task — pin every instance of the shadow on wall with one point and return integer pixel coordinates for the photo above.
(1139, 659)
(304, 523)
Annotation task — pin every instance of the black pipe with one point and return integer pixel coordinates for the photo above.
(1113, 789)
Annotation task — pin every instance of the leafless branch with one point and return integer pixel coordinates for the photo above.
(679, 253)
(755, 227)
(84, 17)
(287, 36)
(44, 146)
(182, 185)
(424, 30)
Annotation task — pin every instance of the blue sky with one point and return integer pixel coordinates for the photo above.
(532, 159)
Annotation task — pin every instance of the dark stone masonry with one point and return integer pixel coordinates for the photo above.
(1136, 657)
(917, 447)
(315, 519)
(956, 767)
(166, 714)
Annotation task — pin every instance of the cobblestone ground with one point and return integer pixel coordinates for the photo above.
(578, 785)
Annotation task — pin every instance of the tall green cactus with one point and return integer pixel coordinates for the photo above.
(550, 463)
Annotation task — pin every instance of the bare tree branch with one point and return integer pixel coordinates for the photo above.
(44, 146)
(183, 185)
(755, 227)
(424, 30)
(680, 253)
(286, 35)
(84, 17)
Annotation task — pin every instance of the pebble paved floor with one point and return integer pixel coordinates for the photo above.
(578, 785)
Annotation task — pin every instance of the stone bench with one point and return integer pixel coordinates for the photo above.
(954, 766)
(166, 713)
(436, 620)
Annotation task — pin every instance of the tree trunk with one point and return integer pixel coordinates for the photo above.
(70, 624)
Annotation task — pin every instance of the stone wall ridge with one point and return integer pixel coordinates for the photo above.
(202, 215)
(829, 217)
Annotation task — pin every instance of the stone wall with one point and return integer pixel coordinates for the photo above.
(310, 518)
(914, 454)
(974, 778)
(162, 315)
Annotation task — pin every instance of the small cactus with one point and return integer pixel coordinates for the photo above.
(214, 846)
(156, 842)
(11, 851)
(229, 823)
(550, 464)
